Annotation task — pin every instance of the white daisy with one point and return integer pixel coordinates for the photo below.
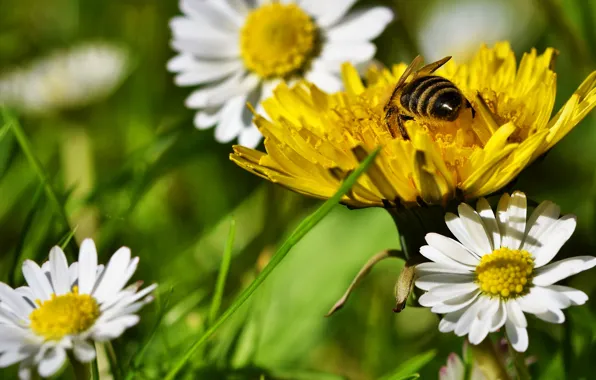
(459, 28)
(456, 370)
(65, 79)
(67, 307)
(241, 49)
(500, 269)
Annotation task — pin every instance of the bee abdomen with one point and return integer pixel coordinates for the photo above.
(432, 96)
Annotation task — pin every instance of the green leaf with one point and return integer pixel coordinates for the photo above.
(223, 273)
(281, 253)
(408, 369)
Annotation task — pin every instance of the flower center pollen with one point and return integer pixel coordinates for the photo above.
(505, 272)
(277, 40)
(67, 314)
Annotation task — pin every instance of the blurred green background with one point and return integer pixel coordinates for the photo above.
(132, 170)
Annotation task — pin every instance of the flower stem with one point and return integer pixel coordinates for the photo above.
(489, 361)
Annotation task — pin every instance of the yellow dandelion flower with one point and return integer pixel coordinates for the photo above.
(311, 136)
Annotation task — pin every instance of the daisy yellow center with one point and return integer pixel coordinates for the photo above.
(277, 39)
(67, 314)
(505, 273)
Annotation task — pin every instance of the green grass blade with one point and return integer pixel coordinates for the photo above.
(223, 274)
(407, 369)
(27, 148)
(281, 253)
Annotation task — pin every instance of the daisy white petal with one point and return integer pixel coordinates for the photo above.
(576, 297)
(114, 328)
(439, 257)
(557, 235)
(73, 273)
(458, 229)
(216, 95)
(515, 314)
(328, 12)
(551, 316)
(213, 48)
(518, 336)
(513, 234)
(25, 372)
(52, 361)
(207, 72)
(456, 303)
(87, 266)
(450, 320)
(499, 318)
(560, 270)
(352, 52)
(473, 224)
(37, 280)
(230, 123)
(429, 268)
(182, 62)
(451, 248)
(111, 280)
(326, 81)
(205, 12)
(207, 118)
(10, 357)
(490, 223)
(552, 298)
(428, 282)
(183, 27)
(465, 321)
(541, 220)
(84, 351)
(479, 329)
(27, 294)
(452, 290)
(361, 25)
(14, 301)
(59, 271)
(250, 137)
(503, 216)
(532, 303)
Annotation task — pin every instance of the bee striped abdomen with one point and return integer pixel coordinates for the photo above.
(432, 97)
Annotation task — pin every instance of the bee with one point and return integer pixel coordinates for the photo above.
(429, 98)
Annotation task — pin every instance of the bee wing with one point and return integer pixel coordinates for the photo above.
(432, 67)
(412, 67)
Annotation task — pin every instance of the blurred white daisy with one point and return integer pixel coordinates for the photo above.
(241, 49)
(500, 269)
(68, 78)
(456, 370)
(67, 307)
(458, 27)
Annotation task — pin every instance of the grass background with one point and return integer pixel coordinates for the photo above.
(132, 170)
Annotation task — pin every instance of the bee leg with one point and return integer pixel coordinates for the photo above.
(469, 105)
(389, 119)
(402, 128)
